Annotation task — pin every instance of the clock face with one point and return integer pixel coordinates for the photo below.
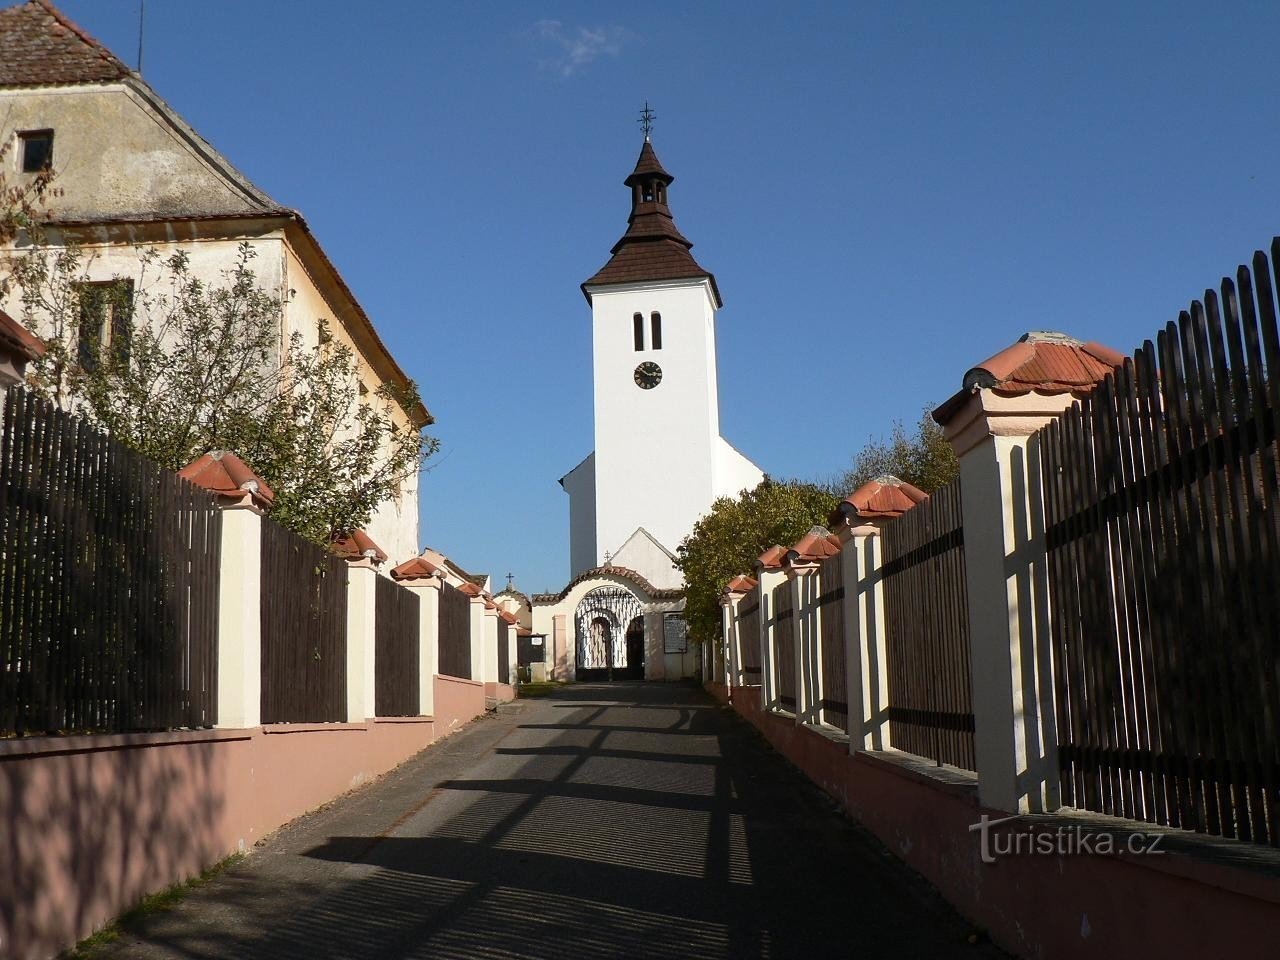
(648, 375)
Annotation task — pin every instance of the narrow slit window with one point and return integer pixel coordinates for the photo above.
(637, 323)
(37, 150)
(105, 323)
(656, 319)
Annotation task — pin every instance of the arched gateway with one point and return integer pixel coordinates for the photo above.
(609, 632)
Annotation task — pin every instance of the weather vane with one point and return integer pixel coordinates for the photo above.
(647, 116)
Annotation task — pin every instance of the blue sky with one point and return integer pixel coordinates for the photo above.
(887, 193)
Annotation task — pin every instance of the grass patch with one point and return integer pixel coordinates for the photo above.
(544, 689)
(148, 906)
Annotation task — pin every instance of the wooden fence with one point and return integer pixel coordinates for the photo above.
(749, 636)
(1163, 531)
(455, 633)
(927, 631)
(784, 646)
(396, 662)
(303, 615)
(504, 651)
(108, 583)
(834, 691)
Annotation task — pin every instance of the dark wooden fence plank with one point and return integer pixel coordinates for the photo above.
(395, 658)
(927, 631)
(101, 553)
(749, 636)
(454, 633)
(1164, 550)
(784, 645)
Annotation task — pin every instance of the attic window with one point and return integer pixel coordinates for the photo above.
(36, 150)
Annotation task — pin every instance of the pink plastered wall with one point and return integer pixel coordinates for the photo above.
(92, 824)
(1049, 907)
(457, 702)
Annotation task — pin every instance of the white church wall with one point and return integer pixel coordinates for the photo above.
(580, 484)
(643, 554)
(668, 433)
(734, 472)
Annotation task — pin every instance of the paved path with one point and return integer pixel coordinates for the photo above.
(630, 820)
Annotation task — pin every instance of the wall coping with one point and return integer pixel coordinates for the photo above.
(280, 728)
(19, 747)
(466, 680)
(417, 719)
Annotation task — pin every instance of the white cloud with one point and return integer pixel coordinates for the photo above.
(578, 46)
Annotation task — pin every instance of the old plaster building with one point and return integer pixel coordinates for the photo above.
(132, 172)
(659, 460)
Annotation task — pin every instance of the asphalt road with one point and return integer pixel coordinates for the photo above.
(629, 820)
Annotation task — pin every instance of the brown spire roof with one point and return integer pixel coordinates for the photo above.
(653, 248)
(41, 47)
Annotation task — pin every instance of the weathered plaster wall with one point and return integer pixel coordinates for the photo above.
(116, 155)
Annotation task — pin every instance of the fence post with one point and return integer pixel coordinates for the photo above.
(769, 573)
(994, 435)
(244, 498)
(423, 579)
(801, 576)
(362, 585)
(491, 672)
(730, 598)
(477, 623)
(866, 652)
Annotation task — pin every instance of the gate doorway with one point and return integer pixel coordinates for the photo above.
(609, 631)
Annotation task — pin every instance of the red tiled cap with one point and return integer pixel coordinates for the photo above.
(43, 48)
(223, 473)
(1040, 362)
(508, 617)
(882, 497)
(353, 546)
(488, 603)
(818, 544)
(740, 584)
(523, 632)
(414, 569)
(772, 558)
(15, 338)
(470, 589)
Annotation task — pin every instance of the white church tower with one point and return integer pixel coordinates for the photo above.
(659, 459)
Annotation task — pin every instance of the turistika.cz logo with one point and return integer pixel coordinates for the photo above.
(1065, 840)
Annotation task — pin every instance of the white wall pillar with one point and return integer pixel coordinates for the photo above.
(866, 653)
(769, 578)
(362, 583)
(490, 647)
(1010, 653)
(476, 614)
(427, 590)
(239, 617)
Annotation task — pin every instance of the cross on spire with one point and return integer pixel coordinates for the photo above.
(510, 577)
(647, 116)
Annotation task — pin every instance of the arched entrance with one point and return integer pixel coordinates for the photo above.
(609, 631)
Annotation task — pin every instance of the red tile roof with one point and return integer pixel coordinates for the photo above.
(816, 545)
(772, 558)
(652, 248)
(508, 617)
(223, 473)
(1040, 362)
(15, 338)
(42, 47)
(882, 497)
(470, 589)
(414, 568)
(356, 545)
(741, 585)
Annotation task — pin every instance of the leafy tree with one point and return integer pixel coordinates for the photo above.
(727, 540)
(923, 458)
(174, 366)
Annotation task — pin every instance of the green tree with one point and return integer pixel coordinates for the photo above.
(174, 366)
(727, 540)
(922, 458)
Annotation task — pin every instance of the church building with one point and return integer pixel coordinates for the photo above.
(659, 460)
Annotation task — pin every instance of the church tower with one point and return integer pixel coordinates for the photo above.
(659, 459)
